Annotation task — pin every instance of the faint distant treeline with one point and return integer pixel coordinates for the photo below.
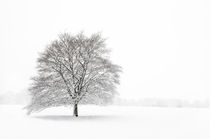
(14, 98)
(159, 102)
(23, 98)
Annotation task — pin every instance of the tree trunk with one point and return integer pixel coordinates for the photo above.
(75, 114)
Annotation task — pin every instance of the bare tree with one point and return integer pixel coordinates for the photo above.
(72, 70)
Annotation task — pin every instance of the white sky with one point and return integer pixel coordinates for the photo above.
(163, 46)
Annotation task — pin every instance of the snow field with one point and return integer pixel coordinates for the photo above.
(95, 122)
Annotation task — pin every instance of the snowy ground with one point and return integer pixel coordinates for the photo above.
(110, 122)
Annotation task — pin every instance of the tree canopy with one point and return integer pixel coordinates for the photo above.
(74, 69)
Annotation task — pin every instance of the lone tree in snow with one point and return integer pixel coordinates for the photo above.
(74, 70)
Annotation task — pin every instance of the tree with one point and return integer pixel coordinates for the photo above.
(74, 70)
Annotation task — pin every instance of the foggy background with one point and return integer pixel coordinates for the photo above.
(163, 46)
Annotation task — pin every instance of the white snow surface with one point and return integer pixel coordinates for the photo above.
(111, 122)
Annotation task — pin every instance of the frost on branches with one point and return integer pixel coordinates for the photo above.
(74, 70)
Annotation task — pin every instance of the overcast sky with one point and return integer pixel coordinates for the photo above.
(162, 45)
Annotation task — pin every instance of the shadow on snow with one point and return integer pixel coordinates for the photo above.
(69, 117)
